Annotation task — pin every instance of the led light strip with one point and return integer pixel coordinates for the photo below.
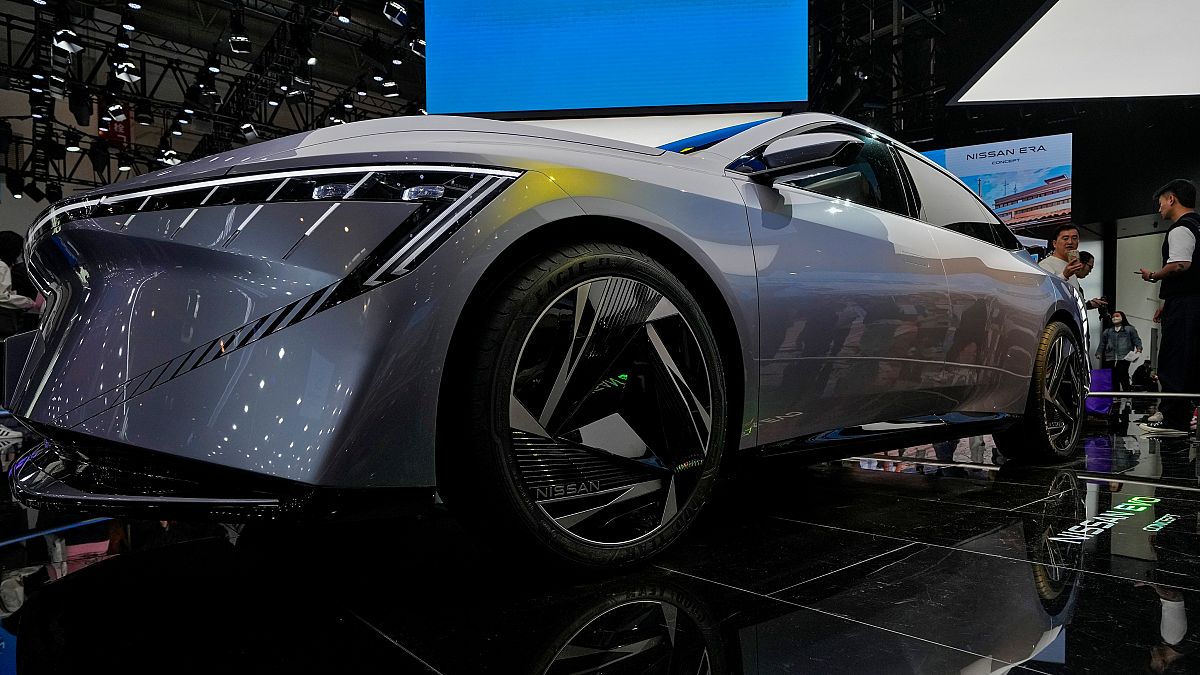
(253, 178)
(397, 263)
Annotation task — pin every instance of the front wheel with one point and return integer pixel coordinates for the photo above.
(596, 416)
(1055, 413)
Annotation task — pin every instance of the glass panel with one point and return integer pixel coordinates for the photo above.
(869, 178)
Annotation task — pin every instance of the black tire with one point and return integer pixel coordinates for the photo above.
(555, 428)
(1054, 415)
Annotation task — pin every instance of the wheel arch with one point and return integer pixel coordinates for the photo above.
(589, 228)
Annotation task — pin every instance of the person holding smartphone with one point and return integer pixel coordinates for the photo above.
(1179, 349)
(1064, 260)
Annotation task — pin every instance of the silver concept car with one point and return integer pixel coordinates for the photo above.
(561, 335)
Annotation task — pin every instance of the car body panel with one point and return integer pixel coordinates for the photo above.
(854, 304)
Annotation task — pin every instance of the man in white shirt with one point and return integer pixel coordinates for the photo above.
(1065, 240)
(1179, 348)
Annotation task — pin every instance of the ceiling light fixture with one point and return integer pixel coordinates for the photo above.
(71, 140)
(396, 13)
(239, 38)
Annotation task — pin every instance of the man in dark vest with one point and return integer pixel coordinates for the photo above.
(1179, 351)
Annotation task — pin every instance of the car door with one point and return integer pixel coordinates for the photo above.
(852, 294)
(998, 296)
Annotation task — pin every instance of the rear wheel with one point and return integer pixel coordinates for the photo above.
(595, 420)
(1055, 414)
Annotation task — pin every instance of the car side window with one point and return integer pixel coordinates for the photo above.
(946, 203)
(868, 177)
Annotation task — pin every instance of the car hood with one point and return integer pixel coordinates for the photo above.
(262, 156)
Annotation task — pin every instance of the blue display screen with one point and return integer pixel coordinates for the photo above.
(488, 56)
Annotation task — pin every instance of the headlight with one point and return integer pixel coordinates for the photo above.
(445, 195)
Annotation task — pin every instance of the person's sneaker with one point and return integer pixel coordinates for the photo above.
(1156, 417)
(1157, 429)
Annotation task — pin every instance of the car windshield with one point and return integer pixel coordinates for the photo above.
(707, 139)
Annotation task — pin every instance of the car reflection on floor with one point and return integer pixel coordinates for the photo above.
(925, 560)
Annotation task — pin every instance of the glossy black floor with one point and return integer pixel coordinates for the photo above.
(937, 561)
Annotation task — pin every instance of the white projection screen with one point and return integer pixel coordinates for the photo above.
(1086, 49)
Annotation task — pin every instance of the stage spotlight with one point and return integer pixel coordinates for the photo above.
(360, 89)
(134, 5)
(66, 40)
(342, 13)
(98, 154)
(15, 183)
(54, 192)
(213, 63)
(272, 99)
(127, 21)
(34, 192)
(124, 163)
(143, 115)
(301, 86)
(71, 140)
(125, 70)
(102, 125)
(347, 103)
(176, 129)
(418, 47)
(80, 103)
(116, 110)
(183, 117)
(396, 13)
(249, 132)
(239, 38)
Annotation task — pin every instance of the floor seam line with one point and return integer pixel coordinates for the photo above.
(839, 616)
(843, 569)
(983, 553)
(1018, 508)
(392, 640)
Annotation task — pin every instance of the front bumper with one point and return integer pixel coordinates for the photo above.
(60, 478)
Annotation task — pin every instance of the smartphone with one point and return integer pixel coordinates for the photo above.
(1072, 256)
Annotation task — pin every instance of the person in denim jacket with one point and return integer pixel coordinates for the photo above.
(1117, 341)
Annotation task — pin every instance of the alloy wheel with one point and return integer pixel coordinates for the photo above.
(610, 411)
(1063, 393)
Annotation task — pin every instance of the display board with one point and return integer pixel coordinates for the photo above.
(1026, 182)
(1081, 49)
(541, 55)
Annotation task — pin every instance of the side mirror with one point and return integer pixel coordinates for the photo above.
(788, 155)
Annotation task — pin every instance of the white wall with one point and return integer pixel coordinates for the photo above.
(1138, 299)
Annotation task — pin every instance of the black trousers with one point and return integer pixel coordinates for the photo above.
(1120, 370)
(1179, 358)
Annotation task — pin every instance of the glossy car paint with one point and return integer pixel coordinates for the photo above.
(349, 397)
